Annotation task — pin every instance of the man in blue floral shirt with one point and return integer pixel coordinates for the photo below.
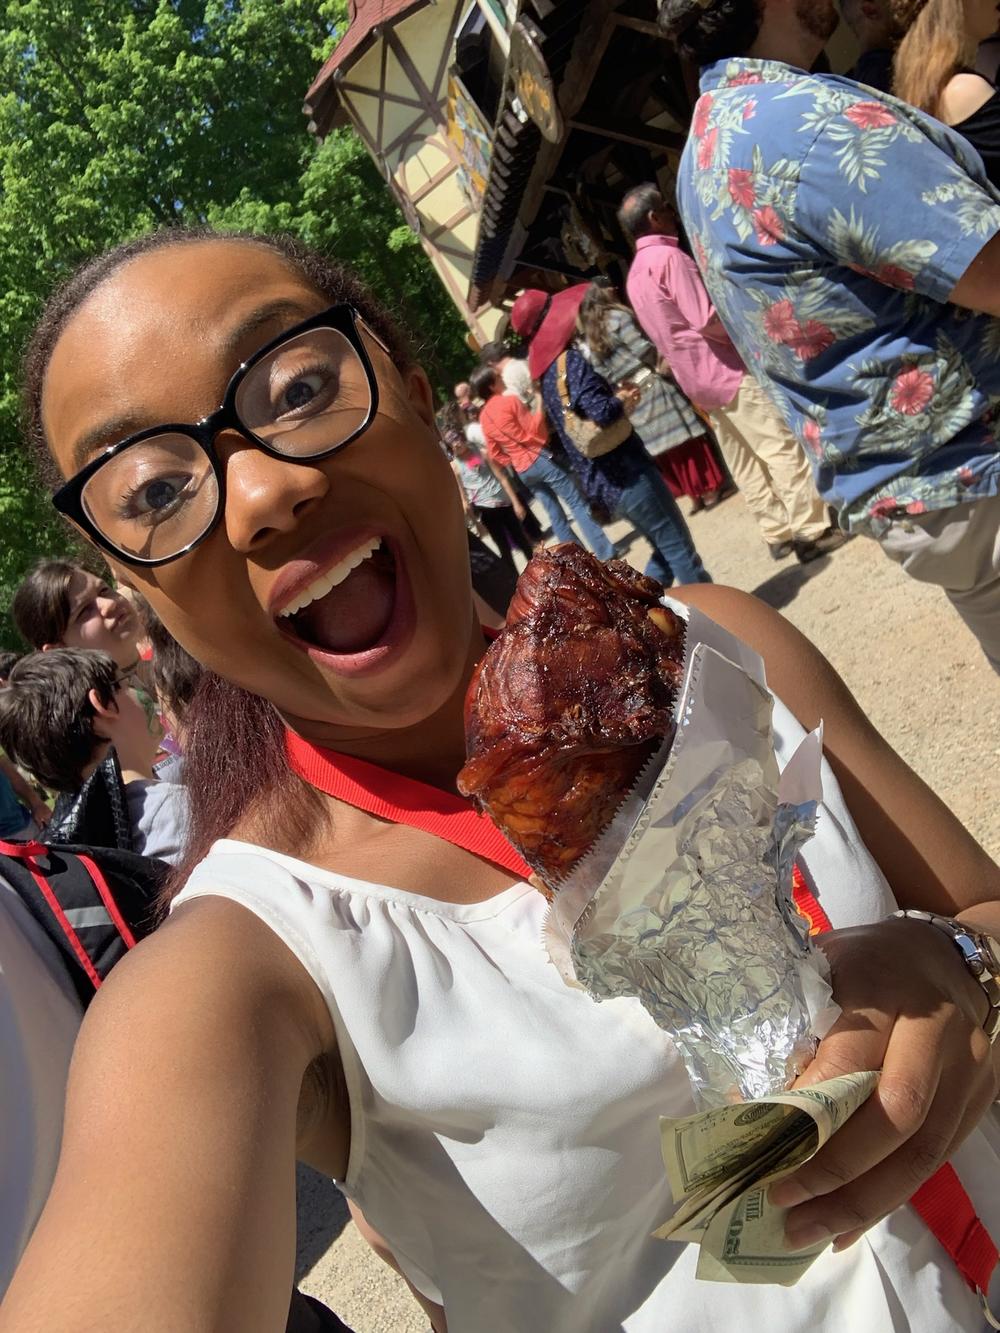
(851, 246)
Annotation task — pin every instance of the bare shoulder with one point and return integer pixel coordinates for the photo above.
(964, 94)
(211, 968)
(796, 669)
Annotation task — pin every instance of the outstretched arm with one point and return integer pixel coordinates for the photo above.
(979, 287)
(174, 1202)
(910, 1006)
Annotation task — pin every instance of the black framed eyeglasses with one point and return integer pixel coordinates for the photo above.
(156, 495)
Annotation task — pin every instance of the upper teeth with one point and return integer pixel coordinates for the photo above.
(321, 586)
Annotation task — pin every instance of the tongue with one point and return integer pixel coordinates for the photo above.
(354, 615)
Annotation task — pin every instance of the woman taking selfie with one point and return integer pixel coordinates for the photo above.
(346, 987)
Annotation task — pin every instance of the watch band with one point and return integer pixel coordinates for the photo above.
(981, 955)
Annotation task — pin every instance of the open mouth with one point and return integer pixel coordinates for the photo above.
(351, 610)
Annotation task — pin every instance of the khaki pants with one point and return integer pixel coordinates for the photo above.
(959, 550)
(769, 467)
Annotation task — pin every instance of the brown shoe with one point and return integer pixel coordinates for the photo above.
(830, 540)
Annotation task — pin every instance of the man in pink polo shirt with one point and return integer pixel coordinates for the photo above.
(764, 457)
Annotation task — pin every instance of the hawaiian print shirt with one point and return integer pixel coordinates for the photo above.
(831, 223)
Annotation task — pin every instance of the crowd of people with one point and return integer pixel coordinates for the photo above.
(617, 411)
(254, 723)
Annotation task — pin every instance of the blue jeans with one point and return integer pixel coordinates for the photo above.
(549, 480)
(652, 510)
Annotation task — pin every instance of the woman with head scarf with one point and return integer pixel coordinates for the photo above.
(934, 69)
(625, 480)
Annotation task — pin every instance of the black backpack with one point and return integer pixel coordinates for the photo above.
(94, 903)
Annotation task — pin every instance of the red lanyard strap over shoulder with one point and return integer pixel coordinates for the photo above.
(942, 1202)
(403, 801)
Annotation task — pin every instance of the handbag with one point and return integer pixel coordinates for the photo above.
(585, 435)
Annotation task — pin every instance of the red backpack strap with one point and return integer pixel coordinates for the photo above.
(941, 1202)
(28, 852)
(107, 898)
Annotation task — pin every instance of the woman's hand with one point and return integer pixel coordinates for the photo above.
(520, 513)
(912, 1010)
(630, 396)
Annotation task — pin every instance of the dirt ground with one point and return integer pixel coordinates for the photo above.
(914, 668)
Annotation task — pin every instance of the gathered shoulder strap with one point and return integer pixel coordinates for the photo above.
(562, 381)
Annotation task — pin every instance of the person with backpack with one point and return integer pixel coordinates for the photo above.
(517, 436)
(592, 422)
(61, 714)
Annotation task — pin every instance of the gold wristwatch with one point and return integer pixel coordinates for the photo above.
(981, 955)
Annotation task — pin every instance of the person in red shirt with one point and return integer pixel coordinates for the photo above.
(517, 437)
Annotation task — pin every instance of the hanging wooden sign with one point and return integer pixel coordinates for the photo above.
(533, 83)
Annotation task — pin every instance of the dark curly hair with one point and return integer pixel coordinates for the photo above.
(726, 28)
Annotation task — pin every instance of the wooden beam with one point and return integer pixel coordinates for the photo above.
(645, 26)
(428, 186)
(404, 136)
(381, 94)
(642, 136)
(463, 255)
(380, 131)
(359, 128)
(431, 104)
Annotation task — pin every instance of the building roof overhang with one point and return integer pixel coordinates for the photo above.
(366, 19)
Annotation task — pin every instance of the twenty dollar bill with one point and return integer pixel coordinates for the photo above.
(721, 1163)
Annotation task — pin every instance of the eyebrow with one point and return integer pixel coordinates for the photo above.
(115, 429)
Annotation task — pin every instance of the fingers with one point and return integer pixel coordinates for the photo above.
(892, 1115)
(913, 1122)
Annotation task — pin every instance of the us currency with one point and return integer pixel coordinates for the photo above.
(721, 1163)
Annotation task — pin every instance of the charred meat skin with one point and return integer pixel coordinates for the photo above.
(569, 703)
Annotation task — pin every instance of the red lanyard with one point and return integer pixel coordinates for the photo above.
(403, 801)
(942, 1202)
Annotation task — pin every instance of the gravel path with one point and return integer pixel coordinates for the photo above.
(914, 668)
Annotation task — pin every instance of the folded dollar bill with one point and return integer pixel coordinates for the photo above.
(721, 1163)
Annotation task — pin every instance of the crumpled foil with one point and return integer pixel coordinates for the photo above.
(685, 903)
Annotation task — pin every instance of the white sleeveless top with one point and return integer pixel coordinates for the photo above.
(504, 1128)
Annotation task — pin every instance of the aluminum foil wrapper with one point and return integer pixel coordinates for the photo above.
(685, 902)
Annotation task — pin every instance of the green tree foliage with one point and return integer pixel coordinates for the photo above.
(118, 116)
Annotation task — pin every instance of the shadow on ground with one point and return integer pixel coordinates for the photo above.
(623, 544)
(781, 589)
(322, 1216)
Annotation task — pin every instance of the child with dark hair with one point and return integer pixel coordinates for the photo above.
(63, 711)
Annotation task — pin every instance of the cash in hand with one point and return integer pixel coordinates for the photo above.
(721, 1163)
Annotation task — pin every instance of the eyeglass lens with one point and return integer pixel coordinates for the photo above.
(305, 398)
